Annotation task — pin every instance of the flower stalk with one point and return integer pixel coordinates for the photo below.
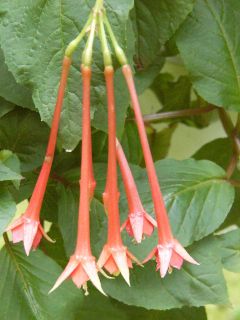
(28, 228)
(169, 253)
(82, 264)
(115, 257)
(139, 222)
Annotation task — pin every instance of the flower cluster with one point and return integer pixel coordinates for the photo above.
(115, 258)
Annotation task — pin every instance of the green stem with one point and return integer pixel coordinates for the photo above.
(177, 114)
(232, 132)
(74, 43)
(117, 48)
(105, 48)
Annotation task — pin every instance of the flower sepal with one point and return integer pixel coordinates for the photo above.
(81, 268)
(28, 230)
(117, 259)
(170, 255)
(139, 224)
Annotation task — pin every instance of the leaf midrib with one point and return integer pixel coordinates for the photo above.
(196, 186)
(225, 38)
(32, 302)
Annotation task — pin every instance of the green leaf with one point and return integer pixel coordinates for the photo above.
(44, 31)
(68, 216)
(5, 107)
(174, 95)
(160, 142)
(213, 151)
(9, 166)
(8, 174)
(209, 44)
(7, 208)
(192, 285)
(230, 250)
(131, 143)
(56, 252)
(155, 23)
(11, 90)
(191, 190)
(22, 133)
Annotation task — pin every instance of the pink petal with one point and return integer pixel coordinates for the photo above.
(17, 234)
(164, 256)
(178, 248)
(129, 228)
(30, 230)
(91, 269)
(148, 227)
(110, 266)
(136, 221)
(150, 256)
(105, 254)
(71, 266)
(79, 276)
(176, 260)
(120, 258)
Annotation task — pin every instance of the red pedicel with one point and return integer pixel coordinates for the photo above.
(169, 252)
(28, 228)
(115, 257)
(82, 264)
(139, 222)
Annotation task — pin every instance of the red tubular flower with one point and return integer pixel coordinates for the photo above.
(139, 222)
(115, 257)
(169, 252)
(82, 265)
(28, 228)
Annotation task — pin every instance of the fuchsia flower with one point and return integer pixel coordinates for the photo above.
(139, 222)
(169, 253)
(29, 231)
(28, 228)
(82, 265)
(115, 257)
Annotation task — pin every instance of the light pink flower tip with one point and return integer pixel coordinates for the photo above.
(29, 231)
(117, 260)
(80, 269)
(139, 224)
(171, 254)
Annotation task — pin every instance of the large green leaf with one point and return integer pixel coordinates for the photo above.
(22, 133)
(34, 51)
(12, 91)
(213, 151)
(155, 23)
(230, 250)
(7, 208)
(192, 285)
(25, 282)
(209, 44)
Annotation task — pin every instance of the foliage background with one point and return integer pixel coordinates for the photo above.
(200, 199)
